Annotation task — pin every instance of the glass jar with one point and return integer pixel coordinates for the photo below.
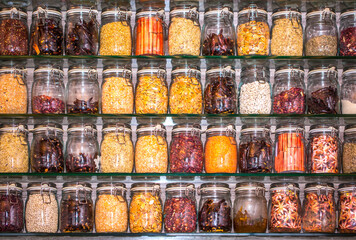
(319, 208)
(151, 152)
(184, 32)
(349, 150)
(287, 33)
(83, 93)
(115, 34)
(117, 150)
(320, 37)
(41, 208)
(347, 208)
(323, 91)
(180, 213)
(215, 208)
(323, 150)
(46, 32)
(82, 32)
(185, 93)
(77, 209)
(47, 148)
(111, 211)
(151, 91)
(48, 91)
(250, 208)
(255, 91)
(252, 32)
(145, 208)
(13, 32)
(348, 33)
(14, 149)
(13, 90)
(82, 149)
(150, 32)
(348, 89)
(285, 210)
(186, 153)
(289, 91)
(11, 207)
(220, 149)
(220, 95)
(255, 150)
(289, 149)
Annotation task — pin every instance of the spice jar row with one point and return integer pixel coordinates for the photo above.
(179, 214)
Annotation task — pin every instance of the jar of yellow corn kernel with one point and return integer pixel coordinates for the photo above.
(111, 211)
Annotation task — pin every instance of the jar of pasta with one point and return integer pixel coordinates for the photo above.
(145, 208)
(151, 152)
(349, 149)
(347, 208)
(220, 149)
(11, 207)
(117, 96)
(348, 89)
(348, 33)
(151, 91)
(111, 211)
(14, 148)
(185, 94)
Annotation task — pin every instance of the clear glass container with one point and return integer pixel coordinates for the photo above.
(82, 149)
(348, 33)
(349, 150)
(347, 208)
(218, 35)
(348, 89)
(48, 91)
(41, 208)
(250, 208)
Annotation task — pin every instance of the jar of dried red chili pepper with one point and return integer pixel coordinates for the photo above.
(348, 89)
(324, 149)
(48, 91)
(319, 208)
(186, 151)
(180, 213)
(347, 208)
(215, 208)
(349, 149)
(348, 33)
(285, 211)
(11, 207)
(289, 91)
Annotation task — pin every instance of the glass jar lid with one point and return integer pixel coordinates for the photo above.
(249, 129)
(347, 187)
(13, 70)
(319, 186)
(187, 127)
(180, 187)
(191, 11)
(151, 127)
(351, 128)
(117, 12)
(219, 12)
(214, 187)
(119, 127)
(224, 70)
(289, 14)
(83, 71)
(82, 10)
(349, 72)
(145, 13)
(221, 128)
(48, 127)
(109, 186)
(77, 186)
(250, 186)
(42, 186)
(158, 71)
(289, 128)
(49, 70)
(13, 128)
(117, 70)
(331, 70)
(348, 13)
(322, 13)
(290, 71)
(13, 12)
(42, 12)
(253, 10)
(81, 127)
(11, 186)
(146, 187)
(285, 186)
(322, 128)
(188, 71)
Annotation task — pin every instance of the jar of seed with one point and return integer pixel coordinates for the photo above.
(349, 150)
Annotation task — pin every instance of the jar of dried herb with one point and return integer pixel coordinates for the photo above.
(349, 150)
(347, 208)
(348, 90)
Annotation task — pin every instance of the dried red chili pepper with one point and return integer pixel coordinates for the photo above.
(13, 37)
(255, 156)
(46, 104)
(324, 100)
(218, 45)
(180, 215)
(215, 216)
(291, 101)
(348, 42)
(82, 106)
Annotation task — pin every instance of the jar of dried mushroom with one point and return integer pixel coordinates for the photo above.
(117, 96)
(321, 33)
(46, 32)
(82, 149)
(111, 211)
(323, 91)
(13, 91)
(145, 208)
(186, 154)
(11, 207)
(255, 150)
(250, 208)
(151, 152)
(82, 32)
(285, 210)
(218, 34)
(184, 32)
(215, 213)
(48, 91)
(151, 91)
(41, 208)
(47, 148)
(287, 33)
(347, 208)
(185, 94)
(13, 32)
(83, 93)
(289, 91)
(349, 150)
(117, 150)
(348, 33)
(77, 209)
(14, 149)
(255, 91)
(220, 95)
(319, 208)
(348, 90)
(220, 149)
(252, 32)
